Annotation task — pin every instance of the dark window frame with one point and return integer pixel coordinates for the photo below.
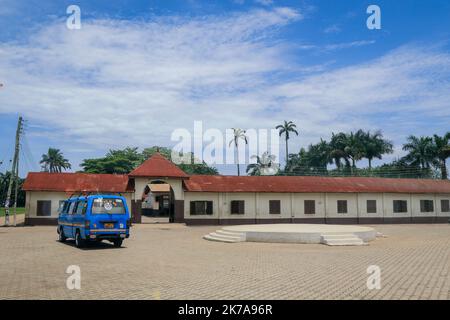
(446, 207)
(207, 209)
(237, 207)
(41, 205)
(274, 206)
(400, 206)
(426, 205)
(309, 206)
(342, 206)
(372, 208)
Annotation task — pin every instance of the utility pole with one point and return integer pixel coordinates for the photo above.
(14, 174)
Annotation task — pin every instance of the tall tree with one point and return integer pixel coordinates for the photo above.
(54, 161)
(337, 149)
(115, 161)
(442, 152)
(420, 151)
(286, 128)
(125, 160)
(238, 134)
(353, 147)
(374, 146)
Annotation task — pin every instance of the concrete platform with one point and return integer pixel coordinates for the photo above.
(296, 233)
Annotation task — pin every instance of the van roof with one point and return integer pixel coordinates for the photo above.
(94, 196)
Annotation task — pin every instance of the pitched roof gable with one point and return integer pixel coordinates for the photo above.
(158, 166)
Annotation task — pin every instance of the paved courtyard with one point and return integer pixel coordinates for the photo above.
(172, 261)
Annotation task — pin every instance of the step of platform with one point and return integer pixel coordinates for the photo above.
(225, 236)
(342, 240)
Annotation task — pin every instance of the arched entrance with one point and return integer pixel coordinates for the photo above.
(158, 202)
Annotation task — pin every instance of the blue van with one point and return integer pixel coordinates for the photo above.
(94, 218)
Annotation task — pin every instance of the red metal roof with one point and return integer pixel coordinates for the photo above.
(158, 166)
(77, 182)
(199, 183)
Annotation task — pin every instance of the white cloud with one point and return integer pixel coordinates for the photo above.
(332, 29)
(264, 2)
(116, 83)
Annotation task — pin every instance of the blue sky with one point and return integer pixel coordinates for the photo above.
(137, 70)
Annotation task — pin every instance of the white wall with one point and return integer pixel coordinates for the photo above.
(298, 205)
(362, 205)
(201, 196)
(292, 205)
(262, 203)
(331, 205)
(32, 197)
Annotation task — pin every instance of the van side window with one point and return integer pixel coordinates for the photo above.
(65, 207)
(71, 207)
(81, 207)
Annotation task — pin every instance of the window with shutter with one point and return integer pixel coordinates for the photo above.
(445, 205)
(371, 206)
(426, 206)
(274, 207)
(310, 206)
(342, 206)
(201, 207)
(400, 206)
(43, 208)
(237, 207)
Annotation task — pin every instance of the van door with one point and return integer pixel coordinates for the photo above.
(78, 218)
(68, 228)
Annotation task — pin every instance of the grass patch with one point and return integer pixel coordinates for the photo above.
(11, 211)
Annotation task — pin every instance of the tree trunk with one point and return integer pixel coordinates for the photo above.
(287, 153)
(370, 164)
(237, 162)
(443, 170)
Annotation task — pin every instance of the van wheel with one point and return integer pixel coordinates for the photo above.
(79, 241)
(117, 243)
(61, 236)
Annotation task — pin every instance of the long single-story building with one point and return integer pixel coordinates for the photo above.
(201, 199)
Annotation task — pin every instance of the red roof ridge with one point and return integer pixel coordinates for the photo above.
(314, 184)
(158, 166)
(77, 181)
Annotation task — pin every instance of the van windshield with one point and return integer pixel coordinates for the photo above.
(111, 206)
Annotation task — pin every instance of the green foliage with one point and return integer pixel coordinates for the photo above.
(4, 181)
(344, 150)
(54, 161)
(124, 161)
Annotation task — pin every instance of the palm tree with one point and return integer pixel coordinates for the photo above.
(54, 161)
(286, 128)
(353, 147)
(265, 165)
(374, 146)
(442, 152)
(337, 149)
(420, 151)
(238, 134)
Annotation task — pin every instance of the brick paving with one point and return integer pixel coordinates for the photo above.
(172, 261)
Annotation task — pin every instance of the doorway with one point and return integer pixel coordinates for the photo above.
(157, 202)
